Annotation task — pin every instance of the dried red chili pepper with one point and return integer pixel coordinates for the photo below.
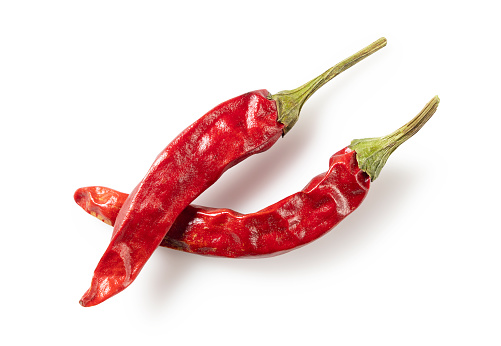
(292, 222)
(193, 161)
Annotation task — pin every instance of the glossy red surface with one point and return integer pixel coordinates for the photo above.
(193, 161)
(292, 222)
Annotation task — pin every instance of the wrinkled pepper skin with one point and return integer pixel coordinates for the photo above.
(292, 222)
(193, 161)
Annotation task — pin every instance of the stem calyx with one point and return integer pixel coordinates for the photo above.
(372, 153)
(290, 102)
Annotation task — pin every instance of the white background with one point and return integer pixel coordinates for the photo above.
(91, 92)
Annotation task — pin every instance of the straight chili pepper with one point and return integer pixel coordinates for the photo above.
(193, 161)
(292, 222)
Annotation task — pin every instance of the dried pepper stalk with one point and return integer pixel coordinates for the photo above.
(292, 222)
(193, 161)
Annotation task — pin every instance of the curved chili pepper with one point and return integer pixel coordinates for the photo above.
(192, 162)
(292, 222)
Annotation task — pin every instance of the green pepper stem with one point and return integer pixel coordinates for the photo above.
(290, 102)
(372, 153)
